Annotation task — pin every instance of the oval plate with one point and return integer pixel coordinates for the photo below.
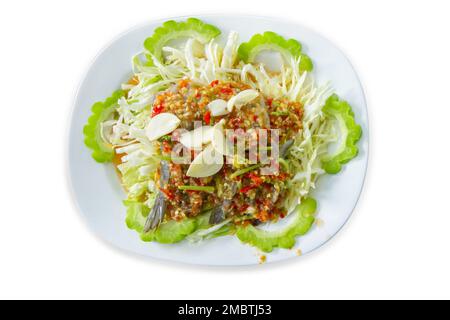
(96, 187)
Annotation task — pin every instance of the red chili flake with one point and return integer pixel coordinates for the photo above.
(269, 101)
(214, 83)
(246, 189)
(243, 208)
(255, 117)
(226, 90)
(257, 181)
(169, 194)
(166, 147)
(207, 117)
(157, 109)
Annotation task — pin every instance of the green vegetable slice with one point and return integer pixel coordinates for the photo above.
(272, 41)
(171, 30)
(284, 238)
(137, 213)
(102, 151)
(171, 231)
(350, 134)
(167, 232)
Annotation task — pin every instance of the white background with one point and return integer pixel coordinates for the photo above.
(396, 245)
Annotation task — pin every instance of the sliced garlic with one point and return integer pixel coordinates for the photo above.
(206, 163)
(196, 138)
(160, 125)
(242, 98)
(218, 107)
(219, 142)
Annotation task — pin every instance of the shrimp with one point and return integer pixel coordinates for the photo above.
(219, 213)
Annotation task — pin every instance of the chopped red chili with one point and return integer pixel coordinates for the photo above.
(157, 109)
(226, 90)
(207, 117)
(169, 194)
(247, 189)
(257, 181)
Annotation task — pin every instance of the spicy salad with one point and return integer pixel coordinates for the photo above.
(210, 138)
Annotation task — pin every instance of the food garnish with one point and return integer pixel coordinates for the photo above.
(210, 141)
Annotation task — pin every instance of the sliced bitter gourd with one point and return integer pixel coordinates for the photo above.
(168, 232)
(285, 237)
(171, 30)
(102, 151)
(272, 41)
(350, 133)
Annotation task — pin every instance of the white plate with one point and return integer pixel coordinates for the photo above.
(96, 188)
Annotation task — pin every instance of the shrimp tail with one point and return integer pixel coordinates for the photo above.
(156, 215)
